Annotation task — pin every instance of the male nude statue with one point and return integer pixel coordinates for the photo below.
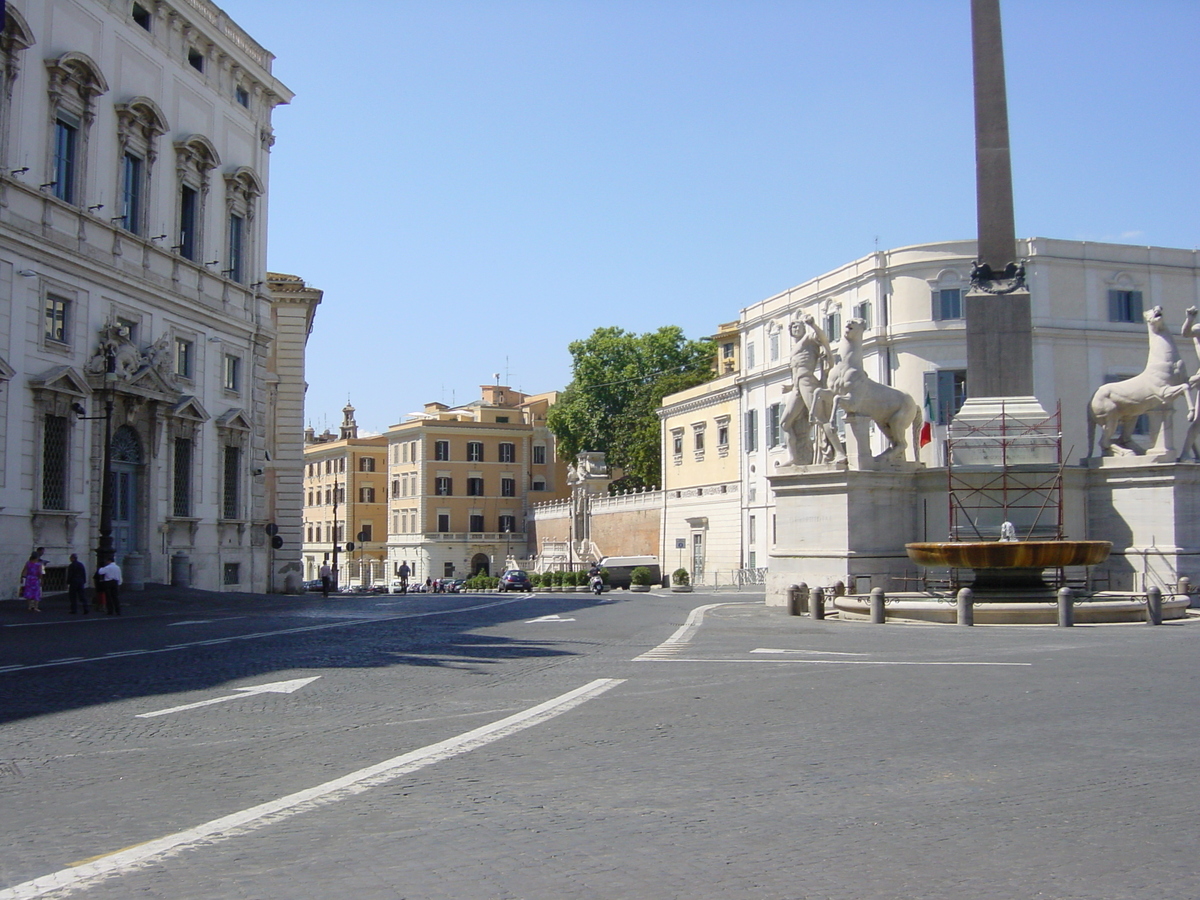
(810, 402)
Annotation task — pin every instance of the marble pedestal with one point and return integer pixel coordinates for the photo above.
(833, 524)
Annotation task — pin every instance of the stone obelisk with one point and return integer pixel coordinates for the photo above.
(999, 327)
(997, 308)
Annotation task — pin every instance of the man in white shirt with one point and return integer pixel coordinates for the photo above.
(326, 580)
(108, 579)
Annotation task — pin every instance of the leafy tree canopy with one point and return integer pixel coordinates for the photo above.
(619, 382)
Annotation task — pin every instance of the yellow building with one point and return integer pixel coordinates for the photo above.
(345, 503)
(702, 526)
(461, 481)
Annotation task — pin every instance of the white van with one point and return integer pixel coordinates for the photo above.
(620, 569)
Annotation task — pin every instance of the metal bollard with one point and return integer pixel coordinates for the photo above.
(797, 594)
(816, 603)
(878, 617)
(1066, 608)
(1154, 606)
(966, 607)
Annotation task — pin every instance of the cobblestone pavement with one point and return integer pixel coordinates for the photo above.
(747, 754)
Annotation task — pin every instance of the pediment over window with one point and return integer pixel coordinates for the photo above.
(189, 408)
(61, 380)
(6, 371)
(246, 181)
(78, 70)
(234, 420)
(143, 115)
(198, 151)
(16, 34)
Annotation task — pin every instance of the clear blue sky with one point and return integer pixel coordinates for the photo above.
(476, 184)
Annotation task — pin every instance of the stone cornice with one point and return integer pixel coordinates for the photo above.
(701, 402)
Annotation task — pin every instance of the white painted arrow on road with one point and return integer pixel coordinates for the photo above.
(551, 618)
(275, 687)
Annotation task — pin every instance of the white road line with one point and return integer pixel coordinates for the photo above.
(818, 652)
(827, 662)
(262, 634)
(682, 636)
(78, 877)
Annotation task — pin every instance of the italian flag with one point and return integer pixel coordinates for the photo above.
(927, 424)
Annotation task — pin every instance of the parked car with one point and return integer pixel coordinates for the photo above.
(515, 580)
(314, 585)
(455, 586)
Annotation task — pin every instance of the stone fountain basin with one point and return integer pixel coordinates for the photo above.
(1007, 554)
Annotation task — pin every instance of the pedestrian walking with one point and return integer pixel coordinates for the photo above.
(326, 580)
(109, 577)
(403, 572)
(31, 582)
(76, 580)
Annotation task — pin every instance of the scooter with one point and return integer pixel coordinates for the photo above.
(597, 585)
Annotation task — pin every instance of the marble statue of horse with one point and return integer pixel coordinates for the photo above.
(892, 410)
(1115, 407)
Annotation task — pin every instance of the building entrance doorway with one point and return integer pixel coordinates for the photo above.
(481, 564)
(126, 478)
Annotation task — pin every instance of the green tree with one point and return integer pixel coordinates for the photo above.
(619, 381)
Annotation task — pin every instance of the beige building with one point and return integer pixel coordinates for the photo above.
(702, 478)
(461, 481)
(134, 154)
(345, 503)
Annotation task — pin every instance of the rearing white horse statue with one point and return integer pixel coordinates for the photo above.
(894, 411)
(1115, 407)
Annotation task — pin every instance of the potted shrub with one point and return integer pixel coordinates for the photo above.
(581, 580)
(681, 582)
(640, 580)
(556, 580)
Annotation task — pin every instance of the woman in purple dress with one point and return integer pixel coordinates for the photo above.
(31, 582)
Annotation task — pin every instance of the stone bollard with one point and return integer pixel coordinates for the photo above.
(966, 607)
(797, 594)
(816, 603)
(878, 617)
(1066, 608)
(1183, 588)
(1154, 606)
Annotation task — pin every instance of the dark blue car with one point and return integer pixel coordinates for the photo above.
(515, 580)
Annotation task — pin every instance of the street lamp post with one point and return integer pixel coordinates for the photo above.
(106, 551)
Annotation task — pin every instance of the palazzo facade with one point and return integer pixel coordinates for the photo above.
(134, 148)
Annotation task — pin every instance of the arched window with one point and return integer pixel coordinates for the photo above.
(15, 38)
(75, 83)
(195, 158)
(139, 124)
(242, 190)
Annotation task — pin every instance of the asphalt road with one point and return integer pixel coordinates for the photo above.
(552, 746)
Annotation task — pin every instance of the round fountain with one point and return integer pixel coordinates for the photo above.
(1008, 571)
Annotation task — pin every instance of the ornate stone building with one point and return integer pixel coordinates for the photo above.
(134, 149)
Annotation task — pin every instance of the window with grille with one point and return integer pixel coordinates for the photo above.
(230, 500)
(183, 478)
(233, 573)
(54, 462)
